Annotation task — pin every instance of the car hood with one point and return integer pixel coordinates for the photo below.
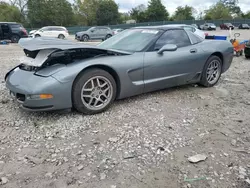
(41, 43)
(32, 32)
(45, 46)
(81, 33)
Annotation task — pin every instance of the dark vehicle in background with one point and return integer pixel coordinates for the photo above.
(227, 26)
(244, 26)
(247, 50)
(99, 32)
(12, 31)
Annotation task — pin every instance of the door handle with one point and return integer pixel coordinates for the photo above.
(193, 50)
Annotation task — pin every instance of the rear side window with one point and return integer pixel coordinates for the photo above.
(187, 28)
(15, 26)
(195, 39)
(177, 37)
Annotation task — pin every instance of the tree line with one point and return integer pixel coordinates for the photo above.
(38, 13)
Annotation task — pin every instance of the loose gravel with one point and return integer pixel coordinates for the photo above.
(141, 142)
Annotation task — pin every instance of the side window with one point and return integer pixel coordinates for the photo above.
(177, 37)
(45, 29)
(189, 28)
(194, 38)
(15, 26)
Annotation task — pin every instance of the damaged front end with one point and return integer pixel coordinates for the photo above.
(44, 55)
(32, 82)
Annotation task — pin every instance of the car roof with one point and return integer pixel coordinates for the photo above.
(161, 27)
(9, 23)
(54, 26)
(101, 27)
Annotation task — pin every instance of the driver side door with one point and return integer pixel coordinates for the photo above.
(172, 68)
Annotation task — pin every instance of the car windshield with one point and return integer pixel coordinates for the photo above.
(211, 24)
(229, 24)
(132, 40)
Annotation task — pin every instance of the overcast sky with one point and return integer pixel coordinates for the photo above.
(200, 5)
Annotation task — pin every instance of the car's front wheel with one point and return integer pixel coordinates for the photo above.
(93, 91)
(85, 38)
(211, 72)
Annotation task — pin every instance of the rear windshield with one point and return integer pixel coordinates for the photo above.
(15, 26)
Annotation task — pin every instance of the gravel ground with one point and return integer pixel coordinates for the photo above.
(141, 142)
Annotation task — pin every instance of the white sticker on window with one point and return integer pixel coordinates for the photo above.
(150, 31)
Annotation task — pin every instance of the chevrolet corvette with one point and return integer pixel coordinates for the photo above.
(59, 74)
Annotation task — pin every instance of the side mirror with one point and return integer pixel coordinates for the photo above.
(167, 47)
(92, 31)
(41, 30)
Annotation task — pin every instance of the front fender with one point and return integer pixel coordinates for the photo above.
(129, 69)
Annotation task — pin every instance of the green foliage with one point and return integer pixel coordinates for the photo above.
(88, 9)
(50, 12)
(156, 11)
(183, 13)
(107, 12)
(232, 5)
(138, 14)
(9, 13)
(123, 17)
(217, 12)
(246, 16)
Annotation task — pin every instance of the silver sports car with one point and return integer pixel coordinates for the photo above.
(59, 74)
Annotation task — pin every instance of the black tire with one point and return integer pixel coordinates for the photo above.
(108, 36)
(15, 38)
(85, 38)
(37, 35)
(204, 80)
(83, 79)
(247, 56)
(61, 36)
(241, 52)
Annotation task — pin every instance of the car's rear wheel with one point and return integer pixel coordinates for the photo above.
(211, 72)
(85, 38)
(61, 36)
(15, 39)
(93, 91)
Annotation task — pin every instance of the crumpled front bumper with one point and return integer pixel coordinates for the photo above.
(25, 85)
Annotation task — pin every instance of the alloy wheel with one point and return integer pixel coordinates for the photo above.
(96, 93)
(213, 72)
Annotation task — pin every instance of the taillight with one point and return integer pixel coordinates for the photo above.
(206, 34)
(24, 31)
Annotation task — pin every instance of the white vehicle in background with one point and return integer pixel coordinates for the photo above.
(116, 31)
(208, 26)
(50, 31)
(192, 29)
